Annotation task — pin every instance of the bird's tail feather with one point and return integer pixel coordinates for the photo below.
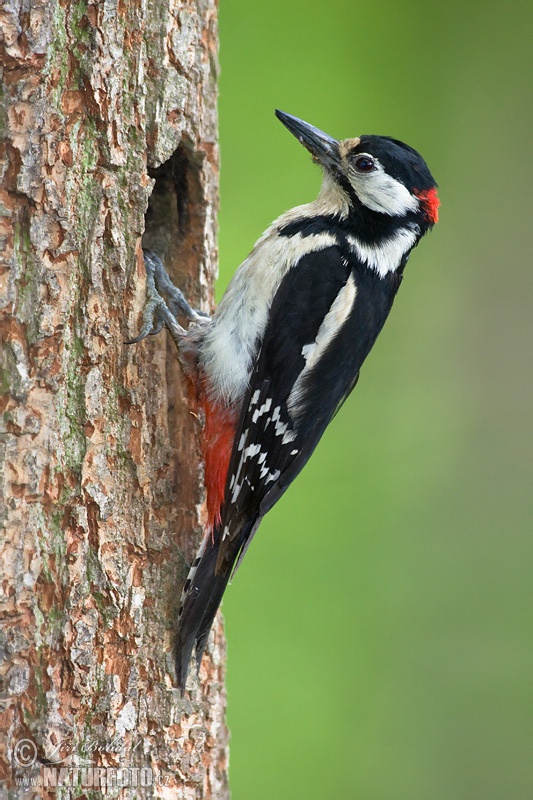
(201, 597)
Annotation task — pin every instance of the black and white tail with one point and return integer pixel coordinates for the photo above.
(200, 599)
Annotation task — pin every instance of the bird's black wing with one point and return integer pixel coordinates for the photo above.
(323, 322)
(324, 319)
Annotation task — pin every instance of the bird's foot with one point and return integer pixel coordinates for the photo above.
(159, 312)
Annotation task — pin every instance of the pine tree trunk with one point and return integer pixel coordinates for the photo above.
(108, 114)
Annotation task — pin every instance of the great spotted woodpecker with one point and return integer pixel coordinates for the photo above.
(285, 346)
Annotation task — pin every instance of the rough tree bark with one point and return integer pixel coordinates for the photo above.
(108, 113)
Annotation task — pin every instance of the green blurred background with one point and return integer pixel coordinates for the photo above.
(380, 629)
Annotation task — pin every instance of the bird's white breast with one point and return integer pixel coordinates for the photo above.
(230, 344)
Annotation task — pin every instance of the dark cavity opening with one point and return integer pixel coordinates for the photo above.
(175, 219)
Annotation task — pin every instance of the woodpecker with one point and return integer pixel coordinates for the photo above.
(284, 348)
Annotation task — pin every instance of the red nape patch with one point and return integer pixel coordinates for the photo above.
(219, 434)
(430, 200)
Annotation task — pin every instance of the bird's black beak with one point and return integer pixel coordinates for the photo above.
(322, 147)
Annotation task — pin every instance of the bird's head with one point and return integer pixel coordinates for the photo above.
(375, 174)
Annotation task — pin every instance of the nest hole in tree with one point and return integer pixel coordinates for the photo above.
(175, 218)
(175, 230)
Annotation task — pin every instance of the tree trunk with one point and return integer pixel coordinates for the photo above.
(108, 114)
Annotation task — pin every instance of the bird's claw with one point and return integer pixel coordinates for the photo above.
(158, 312)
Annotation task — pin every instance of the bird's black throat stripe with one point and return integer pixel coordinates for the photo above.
(369, 227)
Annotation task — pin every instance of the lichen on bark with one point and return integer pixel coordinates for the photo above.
(102, 500)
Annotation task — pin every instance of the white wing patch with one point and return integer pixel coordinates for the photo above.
(385, 257)
(260, 411)
(331, 325)
(281, 428)
(254, 460)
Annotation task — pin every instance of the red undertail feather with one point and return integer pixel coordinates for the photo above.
(219, 433)
(430, 201)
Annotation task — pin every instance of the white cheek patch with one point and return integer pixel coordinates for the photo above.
(381, 192)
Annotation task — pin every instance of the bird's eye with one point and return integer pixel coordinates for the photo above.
(364, 164)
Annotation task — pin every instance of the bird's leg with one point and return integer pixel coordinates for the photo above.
(158, 311)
